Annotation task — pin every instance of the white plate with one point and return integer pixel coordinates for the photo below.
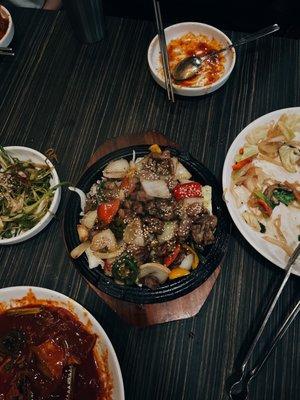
(9, 298)
(24, 154)
(273, 253)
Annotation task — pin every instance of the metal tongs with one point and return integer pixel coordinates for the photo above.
(239, 389)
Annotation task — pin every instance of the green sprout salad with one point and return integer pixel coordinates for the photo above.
(25, 194)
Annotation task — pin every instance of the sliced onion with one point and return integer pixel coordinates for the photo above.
(107, 256)
(83, 233)
(133, 233)
(269, 148)
(158, 271)
(81, 194)
(283, 245)
(116, 169)
(156, 188)
(168, 232)
(181, 172)
(93, 260)
(80, 249)
(187, 262)
(104, 239)
(89, 219)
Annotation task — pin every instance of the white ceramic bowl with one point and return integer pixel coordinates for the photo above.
(25, 153)
(178, 30)
(7, 38)
(16, 296)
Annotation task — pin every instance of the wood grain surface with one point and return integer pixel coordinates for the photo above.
(59, 93)
(142, 315)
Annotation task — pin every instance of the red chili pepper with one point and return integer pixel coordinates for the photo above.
(240, 164)
(186, 190)
(128, 184)
(172, 257)
(265, 208)
(106, 211)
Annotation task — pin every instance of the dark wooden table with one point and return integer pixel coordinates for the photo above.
(59, 93)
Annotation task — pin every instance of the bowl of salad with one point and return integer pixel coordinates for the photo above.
(29, 193)
(148, 226)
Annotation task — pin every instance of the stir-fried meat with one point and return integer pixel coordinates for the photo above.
(203, 230)
(101, 192)
(157, 165)
(110, 191)
(184, 228)
(141, 195)
(150, 281)
(130, 209)
(139, 253)
(153, 225)
(165, 209)
(171, 182)
(136, 207)
(195, 210)
(163, 249)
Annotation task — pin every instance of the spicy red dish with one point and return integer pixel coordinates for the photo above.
(47, 354)
(3, 24)
(191, 44)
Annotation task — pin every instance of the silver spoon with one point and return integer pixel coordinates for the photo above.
(237, 386)
(189, 66)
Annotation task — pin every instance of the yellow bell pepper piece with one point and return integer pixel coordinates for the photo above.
(196, 258)
(155, 149)
(178, 273)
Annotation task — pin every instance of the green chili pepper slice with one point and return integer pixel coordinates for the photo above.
(125, 269)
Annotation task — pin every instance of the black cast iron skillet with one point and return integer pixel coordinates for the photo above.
(210, 258)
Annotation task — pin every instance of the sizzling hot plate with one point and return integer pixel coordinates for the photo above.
(213, 254)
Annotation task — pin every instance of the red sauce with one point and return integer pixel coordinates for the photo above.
(3, 25)
(199, 45)
(38, 351)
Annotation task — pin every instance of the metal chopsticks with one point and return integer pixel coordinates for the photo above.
(6, 51)
(163, 50)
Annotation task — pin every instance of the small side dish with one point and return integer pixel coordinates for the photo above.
(188, 38)
(198, 45)
(145, 220)
(26, 194)
(265, 181)
(4, 22)
(6, 27)
(46, 353)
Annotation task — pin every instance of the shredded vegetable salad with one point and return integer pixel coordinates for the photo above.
(25, 194)
(265, 181)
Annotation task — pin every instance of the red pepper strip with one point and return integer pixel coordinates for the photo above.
(106, 211)
(186, 190)
(265, 208)
(172, 257)
(240, 164)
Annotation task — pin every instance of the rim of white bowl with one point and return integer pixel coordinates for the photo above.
(195, 88)
(9, 24)
(54, 204)
(49, 294)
